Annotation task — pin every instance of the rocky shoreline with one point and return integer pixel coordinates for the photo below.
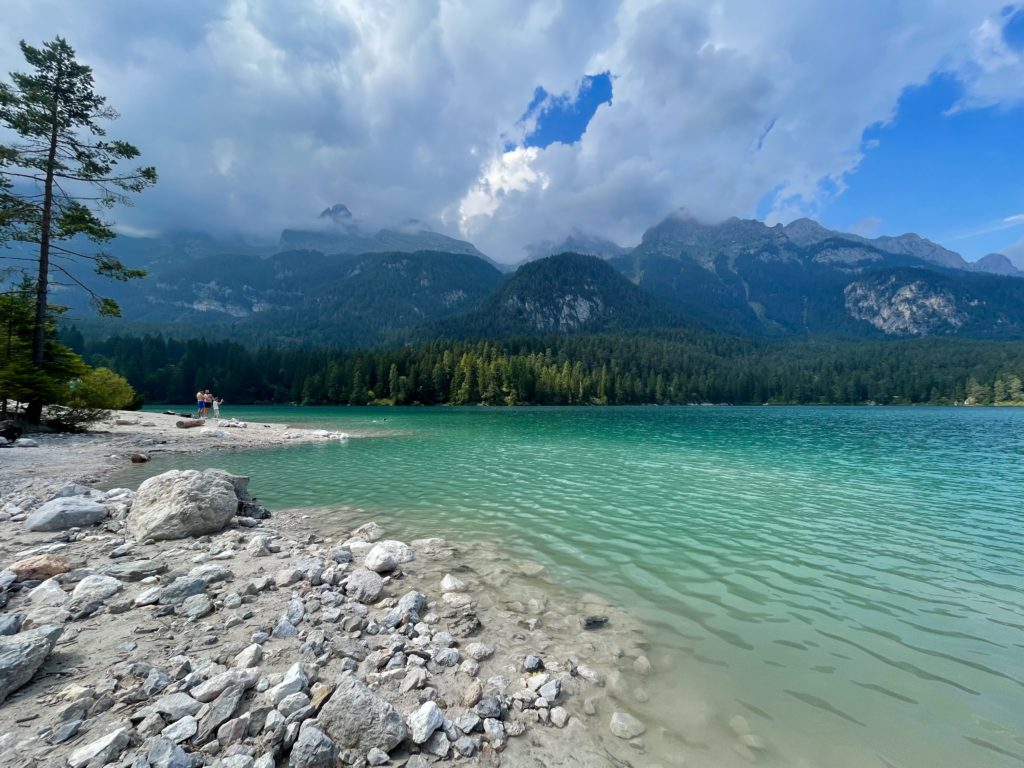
(180, 625)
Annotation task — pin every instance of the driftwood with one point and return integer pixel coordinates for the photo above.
(189, 423)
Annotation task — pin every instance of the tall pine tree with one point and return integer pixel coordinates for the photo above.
(57, 175)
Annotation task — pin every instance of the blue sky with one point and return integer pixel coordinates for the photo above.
(954, 178)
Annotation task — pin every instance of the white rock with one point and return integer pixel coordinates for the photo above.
(452, 584)
(95, 587)
(625, 726)
(49, 592)
(111, 745)
(424, 721)
(182, 503)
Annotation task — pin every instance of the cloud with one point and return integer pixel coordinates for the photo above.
(259, 113)
(992, 68)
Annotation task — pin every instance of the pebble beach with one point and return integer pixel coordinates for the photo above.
(184, 624)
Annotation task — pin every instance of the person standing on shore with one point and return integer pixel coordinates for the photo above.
(216, 406)
(200, 405)
(208, 401)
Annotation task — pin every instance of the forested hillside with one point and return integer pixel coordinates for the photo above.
(667, 368)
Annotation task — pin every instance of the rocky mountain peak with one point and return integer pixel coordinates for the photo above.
(996, 264)
(337, 213)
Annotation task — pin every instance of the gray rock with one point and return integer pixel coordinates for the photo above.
(10, 624)
(151, 725)
(532, 664)
(182, 503)
(479, 651)
(467, 746)
(163, 753)
(447, 657)
(102, 751)
(489, 707)
(468, 722)
(49, 592)
(196, 607)
(175, 706)
(22, 654)
(66, 512)
(377, 757)
(313, 749)
(285, 629)
(379, 560)
(155, 682)
(559, 717)
(438, 745)
(625, 726)
(294, 681)
(249, 657)
(147, 597)
(181, 588)
(95, 588)
(212, 688)
(185, 728)
(134, 570)
(424, 721)
(495, 733)
(292, 703)
(408, 609)
(368, 532)
(72, 489)
(218, 712)
(356, 718)
(233, 731)
(550, 690)
(340, 554)
(295, 612)
(65, 731)
(211, 573)
(364, 585)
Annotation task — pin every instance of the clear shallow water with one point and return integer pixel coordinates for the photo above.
(850, 581)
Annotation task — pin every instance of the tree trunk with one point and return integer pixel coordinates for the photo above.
(34, 411)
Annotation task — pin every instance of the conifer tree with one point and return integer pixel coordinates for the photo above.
(55, 177)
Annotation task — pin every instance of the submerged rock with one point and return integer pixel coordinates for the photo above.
(625, 726)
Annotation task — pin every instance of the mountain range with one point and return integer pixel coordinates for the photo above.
(336, 283)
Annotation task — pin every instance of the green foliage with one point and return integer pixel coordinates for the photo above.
(21, 380)
(102, 388)
(667, 368)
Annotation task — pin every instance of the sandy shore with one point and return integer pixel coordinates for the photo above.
(108, 447)
(495, 666)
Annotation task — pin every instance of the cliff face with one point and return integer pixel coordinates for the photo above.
(901, 308)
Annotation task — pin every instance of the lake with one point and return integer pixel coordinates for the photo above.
(848, 581)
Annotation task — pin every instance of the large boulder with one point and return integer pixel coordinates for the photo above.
(22, 654)
(66, 512)
(357, 718)
(182, 503)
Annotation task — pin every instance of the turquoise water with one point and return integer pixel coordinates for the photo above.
(849, 580)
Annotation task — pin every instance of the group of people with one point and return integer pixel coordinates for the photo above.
(205, 402)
